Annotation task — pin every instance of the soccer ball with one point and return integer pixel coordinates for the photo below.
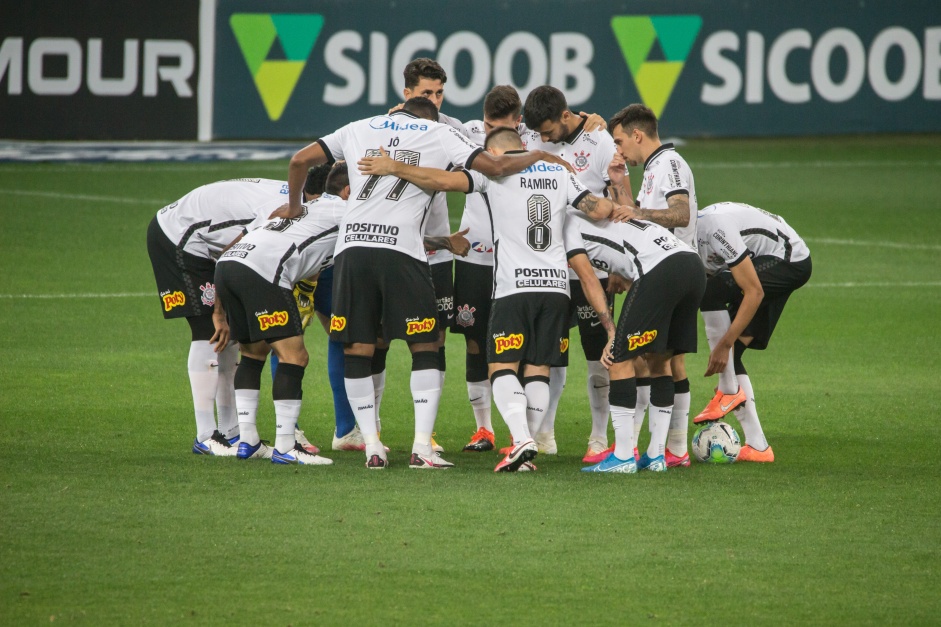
(716, 443)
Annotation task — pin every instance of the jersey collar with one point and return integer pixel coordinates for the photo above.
(515, 152)
(574, 134)
(404, 112)
(662, 148)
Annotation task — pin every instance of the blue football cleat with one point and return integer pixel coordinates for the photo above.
(655, 464)
(613, 464)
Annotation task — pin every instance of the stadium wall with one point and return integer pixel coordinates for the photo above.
(263, 69)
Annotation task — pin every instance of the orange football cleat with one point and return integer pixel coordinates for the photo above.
(482, 440)
(720, 405)
(748, 454)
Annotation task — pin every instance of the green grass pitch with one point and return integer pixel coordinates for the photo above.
(107, 518)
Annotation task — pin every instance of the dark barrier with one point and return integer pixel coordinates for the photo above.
(99, 69)
(292, 68)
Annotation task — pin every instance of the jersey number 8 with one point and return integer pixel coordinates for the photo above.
(539, 235)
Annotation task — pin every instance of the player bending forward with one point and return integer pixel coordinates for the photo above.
(532, 248)
(255, 278)
(755, 261)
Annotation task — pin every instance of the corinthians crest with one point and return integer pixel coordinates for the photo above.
(581, 161)
(208, 295)
(465, 315)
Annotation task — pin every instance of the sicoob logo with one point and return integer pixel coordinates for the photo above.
(641, 339)
(419, 326)
(510, 342)
(173, 299)
(276, 319)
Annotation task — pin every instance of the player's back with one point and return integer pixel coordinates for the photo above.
(208, 218)
(285, 251)
(728, 228)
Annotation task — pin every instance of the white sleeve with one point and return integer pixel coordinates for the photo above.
(572, 238)
(674, 179)
(728, 244)
(481, 182)
(460, 150)
(576, 190)
(332, 144)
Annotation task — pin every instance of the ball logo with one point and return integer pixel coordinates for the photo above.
(563, 345)
(173, 299)
(641, 339)
(276, 319)
(337, 323)
(419, 326)
(510, 342)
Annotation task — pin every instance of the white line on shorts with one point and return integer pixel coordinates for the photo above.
(868, 244)
(127, 201)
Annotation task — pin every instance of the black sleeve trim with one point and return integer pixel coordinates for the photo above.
(740, 259)
(580, 198)
(576, 251)
(326, 151)
(675, 192)
(470, 182)
(470, 159)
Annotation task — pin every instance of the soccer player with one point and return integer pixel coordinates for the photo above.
(255, 278)
(657, 321)
(547, 114)
(381, 249)
(532, 248)
(184, 240)
(667, 197)
(473, 275)
(755, 261)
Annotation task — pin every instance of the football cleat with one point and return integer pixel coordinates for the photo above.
(304, 442)
(352, 441)
(597, 451)
(720, 405)
(216, 445)
(748, 454)
(673, 461)
(299, 456)
(655, 464)
(259, 451)
(234, 441)
(523, 452)
(527, 467)
(437, 448)
(376, 462)
(545, 442)
(423, 461)
(506, 449)
(482, 440)
(612, 463)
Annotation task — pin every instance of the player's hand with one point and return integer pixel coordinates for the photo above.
(621, 213)
(607, 357)
(718, 359)
(397, 107)
(285, 212)
(593, 122)
(458, 244)
(221, 336)
(617, 169)
(617, 284)
(377, 166)
(550, 158)
(304, 295)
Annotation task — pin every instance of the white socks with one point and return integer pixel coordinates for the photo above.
(247, 403)
(643, 401)
(622, 418)
(285, 414)
(679, 420)
(426, 394)
(659, 424)
(362, 397)
(537, 402)
(556, 387)
(748, 417)
(717, 324)
(225, 391)
(598, 384)
(204, 378)
(480, 395)
(510, 399)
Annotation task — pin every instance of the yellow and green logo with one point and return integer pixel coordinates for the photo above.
(637, 35)
(276, 77)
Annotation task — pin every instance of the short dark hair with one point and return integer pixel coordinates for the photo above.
(543, 103)
(502, 101)
(504, 137)
(635, 116)
(338, 178)
(422, 107)
(317, 179)
(423, 67)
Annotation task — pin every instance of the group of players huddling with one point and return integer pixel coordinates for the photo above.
(550, 232)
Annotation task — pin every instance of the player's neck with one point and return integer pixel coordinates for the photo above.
(650, 147)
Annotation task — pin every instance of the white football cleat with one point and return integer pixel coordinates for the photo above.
(299, 456)
(216, 446)
(304, 442)
(352, 441)
(545, 442)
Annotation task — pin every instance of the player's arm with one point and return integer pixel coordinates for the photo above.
(303, 160)
(620, 187)
(507, 164)
(455, 242)
(596, 207)
(594, 293)
(593, 122)
(675, 215)
(221, 335)
(746, 278)
(425, 178)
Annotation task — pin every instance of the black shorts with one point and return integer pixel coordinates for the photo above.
(659, 311)
(583, 315)
(256, 308)
(377, 290)
(473, 295)
(442, 276)
(530, 328)
(779, 279)
(185, 282)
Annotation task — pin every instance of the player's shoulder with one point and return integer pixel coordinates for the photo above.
(475, 130)
(454, 123)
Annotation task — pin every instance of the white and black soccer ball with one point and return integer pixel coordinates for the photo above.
(716, 443)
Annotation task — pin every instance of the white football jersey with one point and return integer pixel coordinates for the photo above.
(208, 218)
(438, 223)
(286, 251)
(666, 173)
(630, 248)
(727, 232)
(385, 211)
(529, 216)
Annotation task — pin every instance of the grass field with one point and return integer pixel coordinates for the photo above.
(107, 518)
